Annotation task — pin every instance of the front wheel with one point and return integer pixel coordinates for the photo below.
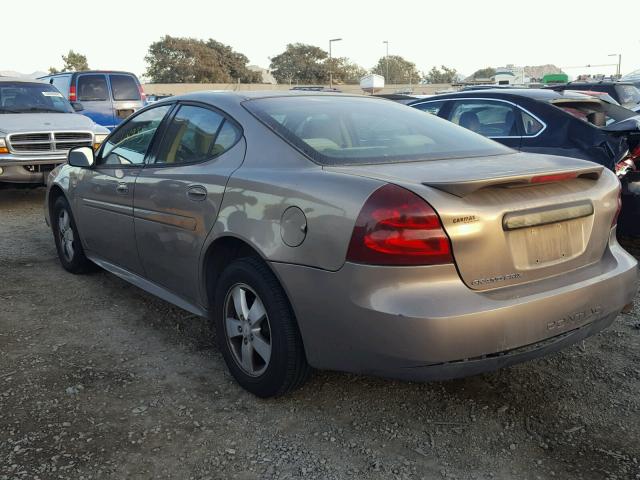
(257, 331)
(68, 244)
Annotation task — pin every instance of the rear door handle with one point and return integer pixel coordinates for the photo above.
(122, 188)
(197, 193)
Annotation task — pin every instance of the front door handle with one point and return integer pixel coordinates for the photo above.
(197, 193)
(122, 188)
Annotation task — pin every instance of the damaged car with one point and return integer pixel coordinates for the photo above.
(568, 123)
(346, 233)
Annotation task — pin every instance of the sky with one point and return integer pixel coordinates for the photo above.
(463, 34)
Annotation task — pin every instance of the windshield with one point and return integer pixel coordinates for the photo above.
(628, 94)
(334, 130)
(23, 97)
(595, 112)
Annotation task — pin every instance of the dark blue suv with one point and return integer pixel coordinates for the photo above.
(107, 97)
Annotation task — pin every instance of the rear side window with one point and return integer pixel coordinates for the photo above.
(62, 83)
(530, 124)
(196, 134)
(124, 87)
(92, 88)
(628, 94)
(337, 130)
(486, 117)
(430, 107)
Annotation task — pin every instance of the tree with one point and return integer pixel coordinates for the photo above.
(73, 62)
(446, 75)
(190, 60)
(400, 70)
(487, 72)
(300, 63)
(345, 71)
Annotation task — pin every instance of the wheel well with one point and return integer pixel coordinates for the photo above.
(55, 193)
(221, 253)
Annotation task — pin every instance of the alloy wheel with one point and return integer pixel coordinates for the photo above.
(248, 331)
(65, 234)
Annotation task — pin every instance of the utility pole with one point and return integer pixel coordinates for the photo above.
(386, 61)
(330, 63)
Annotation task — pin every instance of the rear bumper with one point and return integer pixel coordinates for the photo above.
(14, 171)
(422, 323)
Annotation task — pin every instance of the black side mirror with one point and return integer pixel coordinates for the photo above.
(83, 157)
(77, 106)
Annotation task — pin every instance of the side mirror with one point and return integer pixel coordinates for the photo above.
(77, 106)
(83, 157)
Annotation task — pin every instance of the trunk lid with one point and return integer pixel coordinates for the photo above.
(512, 218)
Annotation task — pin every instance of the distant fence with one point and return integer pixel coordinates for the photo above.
(180, 88)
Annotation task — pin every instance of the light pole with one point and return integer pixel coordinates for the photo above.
(386, 61)
(619, 55)
(330, 64)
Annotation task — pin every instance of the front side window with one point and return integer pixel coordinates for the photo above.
(92, 88)
(124, 87)
(335, 130)
(129, 144)
(430, 107)
(486, 117)
(196, 134)
(24, 97)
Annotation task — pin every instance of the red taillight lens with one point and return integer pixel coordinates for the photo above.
(557, 177)
(143, 96)
(72, 93)
(397, 227)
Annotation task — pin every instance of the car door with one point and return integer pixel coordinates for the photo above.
(92, 91)
(496, 119)
(126, 96)
(104, 193)
(179, 192)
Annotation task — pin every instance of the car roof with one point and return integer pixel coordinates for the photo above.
(122, 72)
(20, 80)
(543, 95)
(595, 82)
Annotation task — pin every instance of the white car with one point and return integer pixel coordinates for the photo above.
(38, 126)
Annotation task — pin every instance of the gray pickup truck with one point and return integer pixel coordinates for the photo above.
(38, 126)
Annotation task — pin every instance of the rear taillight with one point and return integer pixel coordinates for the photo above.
(397, 227)
(72, 93)
(143, 96)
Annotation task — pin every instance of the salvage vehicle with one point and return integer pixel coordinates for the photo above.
(625, 93)
(346, 232)
(38, 126)
(108, 96)
(565, 123)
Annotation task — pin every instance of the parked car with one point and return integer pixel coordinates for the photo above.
(37, 128)
(108, 97)
(625, 93)
(557, 123)
(346, 232)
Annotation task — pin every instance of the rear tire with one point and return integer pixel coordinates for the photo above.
(67, 238)
(257, 331)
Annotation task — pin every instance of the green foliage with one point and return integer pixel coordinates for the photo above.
(443, 75)
(190, 60)
(73, 62)
(400, 70)
(345, 71)
(487, 72)
(300, 63)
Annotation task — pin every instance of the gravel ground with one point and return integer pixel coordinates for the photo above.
(101, 380)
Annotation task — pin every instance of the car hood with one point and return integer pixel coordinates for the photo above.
(33, 122)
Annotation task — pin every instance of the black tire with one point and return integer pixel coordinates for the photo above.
(287, 368)
(76, 262)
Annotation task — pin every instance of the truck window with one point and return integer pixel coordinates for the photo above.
(124, 87)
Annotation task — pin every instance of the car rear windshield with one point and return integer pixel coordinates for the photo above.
(23, 97)
(334, 130)
(628, 94)
(124, 87)
(596, 112)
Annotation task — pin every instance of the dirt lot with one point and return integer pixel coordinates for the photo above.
(100, 380)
